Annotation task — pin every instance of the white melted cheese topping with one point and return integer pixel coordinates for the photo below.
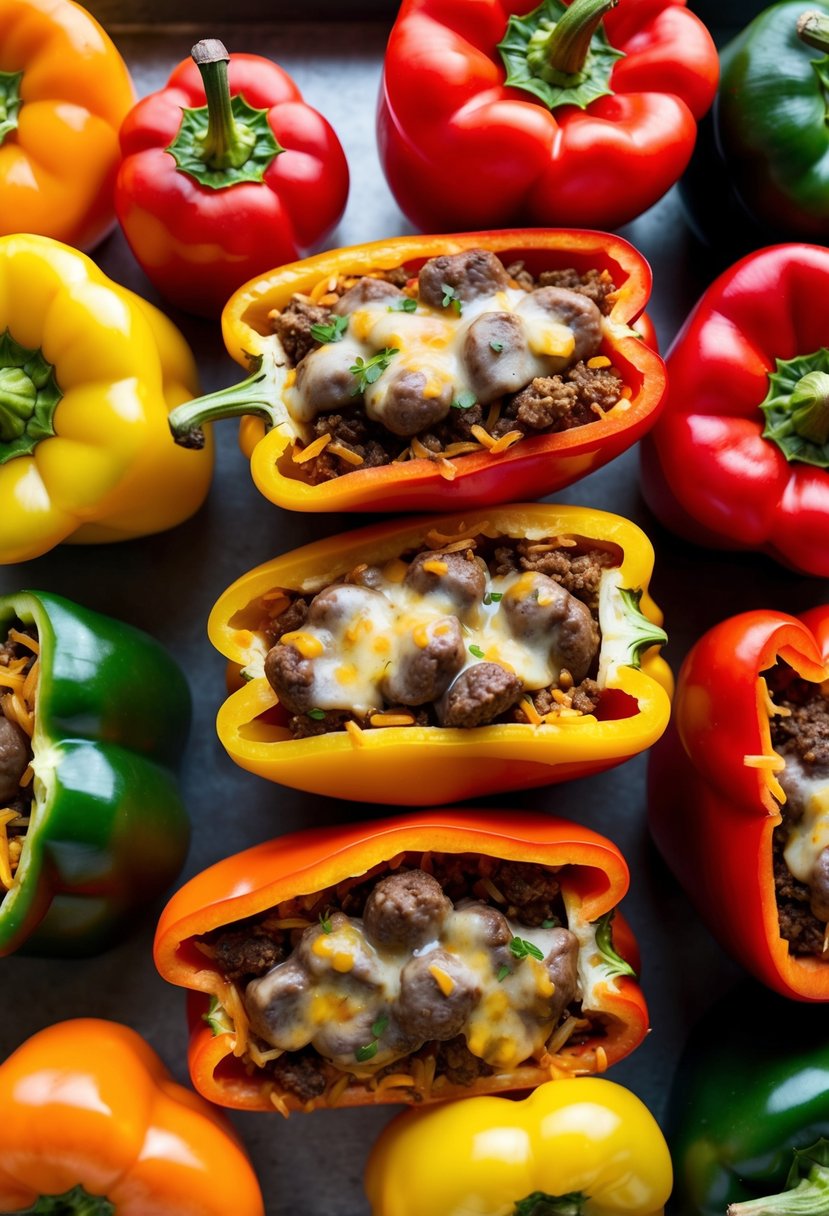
(807, 791)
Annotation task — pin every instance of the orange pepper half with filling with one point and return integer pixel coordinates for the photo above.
(263, 886)
(417, 764)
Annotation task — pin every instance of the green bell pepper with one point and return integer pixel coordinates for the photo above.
(108, 830)
(749, 1110)
(760, 170)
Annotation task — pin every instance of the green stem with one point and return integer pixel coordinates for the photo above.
(810, 407)
(18, 397)
(258, 394)
(539, 1203)
(227, 143)
(809, 1198)
(567, 46)
(813, 29)
(10, 102)
(76, 1202)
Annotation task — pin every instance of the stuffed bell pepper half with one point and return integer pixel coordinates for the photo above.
(430, 956)
(93, 719)
(434, 661)
(412, 372)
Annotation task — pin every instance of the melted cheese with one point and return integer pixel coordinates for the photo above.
(807, 791)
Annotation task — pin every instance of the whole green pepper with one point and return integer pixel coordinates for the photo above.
(760, 170)
(749, 1111)
(108, 830)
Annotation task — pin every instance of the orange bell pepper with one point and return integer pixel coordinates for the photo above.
(94, 1124)
(593, 882)
(387, 763)
(64, 92)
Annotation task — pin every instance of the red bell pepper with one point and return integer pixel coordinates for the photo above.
(740, 455)
(714, 794)
(565, 126)
(225, 173)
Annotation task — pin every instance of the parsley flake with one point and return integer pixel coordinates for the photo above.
(403, 304)
(496, 346)
(332, 331)
(378, 1027)
(493, 597)
(464, 401)
(550, 923)
(450, 296)
(369, 370)
(503, 972)
(476, 650)
(325, 923)
(317, 714)
(521, 948)
(368, 1052)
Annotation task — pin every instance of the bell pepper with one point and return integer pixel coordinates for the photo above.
(94, 1124)
(64, 92)
(88, 374)
(108, 831)
(740, 455)
(532, 468)
(582, 1144)
(748, 1118)
(508, 113)
(386, 763)
(593, 882)
(226, 172)
(765, 142)
(714, 797)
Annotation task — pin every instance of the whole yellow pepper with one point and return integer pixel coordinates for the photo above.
(575, 1147)
(88, 374)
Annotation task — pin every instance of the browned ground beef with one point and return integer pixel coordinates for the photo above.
(533, 894)
(301, 1073)
(557, 403)
(292, 618)
(456, 1062)
(798, 925)
(579, 573)
(242, 954)
(293, 327)
(806, 730)
(597, 285)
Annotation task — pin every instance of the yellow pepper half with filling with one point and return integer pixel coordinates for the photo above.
(575, 1147)
(88, 374)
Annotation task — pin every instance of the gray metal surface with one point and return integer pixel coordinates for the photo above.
(168, 583)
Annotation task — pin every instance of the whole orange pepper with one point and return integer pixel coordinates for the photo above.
(93, 1122)
(64, 92)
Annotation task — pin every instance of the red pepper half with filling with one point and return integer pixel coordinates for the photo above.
(739, 793)
(411, 959)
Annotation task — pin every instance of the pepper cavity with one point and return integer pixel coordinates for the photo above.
(18, 685)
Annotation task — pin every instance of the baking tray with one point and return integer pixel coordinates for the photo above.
(167, 584)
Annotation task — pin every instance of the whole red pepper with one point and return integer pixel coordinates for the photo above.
(226, 172)
(564, 127)
(740, 455)
(714, 796)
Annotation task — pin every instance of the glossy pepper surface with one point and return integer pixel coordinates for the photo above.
(749, 1112)
(740, 456)
(88, 375)
(462, 762)
(503, 113)
(533, 467)
(64, 92)
(259, 878)
(224, 175)
(765, 142)
(714, 799)
(584, 1141)
(94, 1124)
(108, 829)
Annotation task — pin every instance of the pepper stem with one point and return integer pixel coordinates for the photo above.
(810, 407)
(258, 394)
(76, 1202)
(813, 29)
(227, 143)
(809, 1198)
(566, 47)
(539, 1203)
(18, 397)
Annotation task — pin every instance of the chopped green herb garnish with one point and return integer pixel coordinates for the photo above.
(476, 650)
(378, 1027)
(331, 331)
(366, 1053)
(496, 346)
(403, 304)
(325, 923)
(550, 923)
(317, 714)
(369, 370)
(492, 597)
(450, 296)
(464, 401)
(521, 948)
(503, 972)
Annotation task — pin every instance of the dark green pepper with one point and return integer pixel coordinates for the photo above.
(760, 170)
(108, 831)
(749, 1112)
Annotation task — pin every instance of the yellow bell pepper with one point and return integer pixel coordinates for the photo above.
(580, 1147)
(88, 375)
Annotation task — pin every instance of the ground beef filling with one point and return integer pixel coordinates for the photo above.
(574, 396)
(399, 905)
(16, 662)
(437, 683)
(800, 733)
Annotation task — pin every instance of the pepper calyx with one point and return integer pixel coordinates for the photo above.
(77, 1202)
(560, 54)
(539, 1203)
(643, 632)
(10, 102)
(813, 28)
(29, 396)
(796, 407)
(217, 1017)
(807, 1187)
(259, 394)
(227, 141)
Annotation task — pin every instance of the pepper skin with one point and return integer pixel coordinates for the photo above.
(108, 829)
(64, 92)
(463, 762)
(259, 878)
(532, 468)
(93, 1124)
(715, 469)
(765, 142)
(584, 1138)
(463, 148)
(88, 375)
(713, 796)
(206, 207)
(749, 1094)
